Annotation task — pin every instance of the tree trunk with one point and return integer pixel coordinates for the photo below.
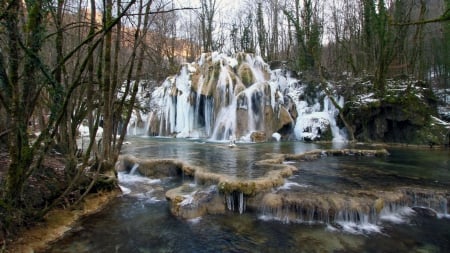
(23, 94)
(106, 90)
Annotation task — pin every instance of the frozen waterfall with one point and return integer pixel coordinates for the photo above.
(220, 96)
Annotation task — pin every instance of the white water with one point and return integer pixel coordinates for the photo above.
(140, 187)
(172, 104)
(353, 221)
(289, 185)
(225, 125)
(398, 214)
(134, 169)
(312, 121)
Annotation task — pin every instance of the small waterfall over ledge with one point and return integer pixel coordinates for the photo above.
(222, 98)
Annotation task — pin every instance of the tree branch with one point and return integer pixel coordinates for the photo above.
(443, 18)
(163, 11)
(91, 37)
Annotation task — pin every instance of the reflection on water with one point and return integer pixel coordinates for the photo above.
(140, 220)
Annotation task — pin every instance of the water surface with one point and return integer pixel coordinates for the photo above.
(140, 220)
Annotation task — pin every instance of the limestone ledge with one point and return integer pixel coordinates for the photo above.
(190, 202)
(352, 205)
(316, 154)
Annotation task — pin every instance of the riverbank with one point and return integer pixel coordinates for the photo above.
(57, 222)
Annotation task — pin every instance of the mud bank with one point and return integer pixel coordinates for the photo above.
(57, 222)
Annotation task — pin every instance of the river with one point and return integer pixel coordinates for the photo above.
(140, 220)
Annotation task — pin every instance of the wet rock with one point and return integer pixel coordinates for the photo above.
(379, 205)
(258, 136)
(246, 75)
(188, 201)
(424, 211)
(272, 200)
(155, 167)
(316, 154)
(402, 115)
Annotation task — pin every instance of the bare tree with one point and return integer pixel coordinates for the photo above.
(308, 25)
(206, 17)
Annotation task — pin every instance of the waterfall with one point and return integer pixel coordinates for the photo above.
(209, 109)
(432, 201)
(221, 96)
(236, 202)
(197, 101)
(333, 112)
(230, 202)
(257, 65)
(225, 125)
(241, 203)
(134, 169)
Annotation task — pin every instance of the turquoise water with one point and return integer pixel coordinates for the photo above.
(140, 220)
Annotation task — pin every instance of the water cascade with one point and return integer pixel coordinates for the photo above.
(134, 169)
(221, 97)
(273, 196)
(236, 202)
(348, 211)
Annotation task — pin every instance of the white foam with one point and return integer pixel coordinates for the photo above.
(129, 178)
(443, 216)
(398, 216)
(331, 228)
(195, 220)
(288, 185)
(267, 217)
(125, 190)
(359, 228)
(188, 199)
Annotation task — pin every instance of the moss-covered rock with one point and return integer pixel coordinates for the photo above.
(258, 136)
(403, 114)
(246, 75)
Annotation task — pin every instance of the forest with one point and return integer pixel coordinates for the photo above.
(64, 63)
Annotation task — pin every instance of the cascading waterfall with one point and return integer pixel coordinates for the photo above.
(225, 125)
(438, 204)
(358, 215)
(221, 97)
(254, 100)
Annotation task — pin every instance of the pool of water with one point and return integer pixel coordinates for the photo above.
(216, 157)
(140, 220)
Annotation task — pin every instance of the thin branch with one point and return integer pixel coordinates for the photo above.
(91, 37)
(443, 18)
(5, 132)
(163, 11)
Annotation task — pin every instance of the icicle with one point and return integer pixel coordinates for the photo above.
(241, 203)
(229, 199)
(444, 204)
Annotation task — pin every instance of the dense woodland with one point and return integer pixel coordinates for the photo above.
(64, 63)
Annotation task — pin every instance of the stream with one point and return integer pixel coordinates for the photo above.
(140, 220)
